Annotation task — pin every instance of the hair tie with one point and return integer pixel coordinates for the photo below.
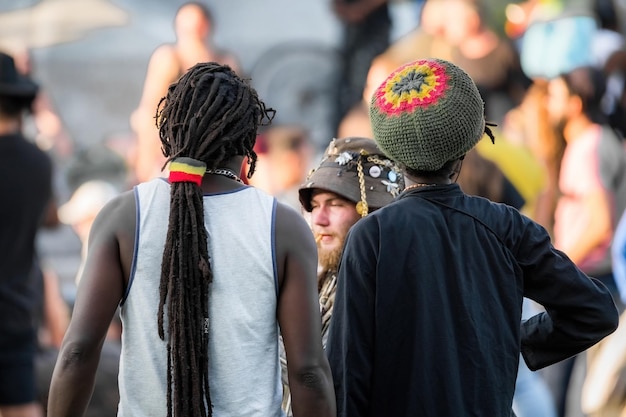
(185, 169)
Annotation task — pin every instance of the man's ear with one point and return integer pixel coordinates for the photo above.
(456, 169)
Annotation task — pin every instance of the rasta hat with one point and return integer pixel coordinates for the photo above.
(12, 84)
(426, 113)
(357, 170)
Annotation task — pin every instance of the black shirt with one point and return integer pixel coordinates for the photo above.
(25, 190)
(427, 314)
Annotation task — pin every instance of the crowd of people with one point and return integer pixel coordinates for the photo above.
(458, 248)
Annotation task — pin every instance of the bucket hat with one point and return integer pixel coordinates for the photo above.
(357, 170)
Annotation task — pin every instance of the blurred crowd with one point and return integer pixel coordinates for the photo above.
(552, 75)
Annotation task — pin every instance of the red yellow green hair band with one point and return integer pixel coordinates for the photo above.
(185, 169)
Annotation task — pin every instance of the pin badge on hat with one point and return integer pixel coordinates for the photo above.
(375, 171)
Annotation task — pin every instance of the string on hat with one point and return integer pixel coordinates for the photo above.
(362, 208)
(489, 132)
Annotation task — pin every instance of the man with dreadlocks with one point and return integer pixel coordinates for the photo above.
(203, 294)
(354, 178)
(427, 315)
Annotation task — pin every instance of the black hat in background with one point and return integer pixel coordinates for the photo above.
(13, 84)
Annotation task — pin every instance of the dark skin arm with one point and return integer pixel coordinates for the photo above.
(310, 379)
(99, 293)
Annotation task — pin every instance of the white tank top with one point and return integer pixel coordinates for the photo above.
(244, 367)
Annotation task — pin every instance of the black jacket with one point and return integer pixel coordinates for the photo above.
(427, 314)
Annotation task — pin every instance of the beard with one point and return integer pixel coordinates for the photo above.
(329, 258)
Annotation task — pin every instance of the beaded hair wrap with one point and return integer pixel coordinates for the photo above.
(184, 169)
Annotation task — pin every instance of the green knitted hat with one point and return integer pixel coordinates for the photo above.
(426, 113)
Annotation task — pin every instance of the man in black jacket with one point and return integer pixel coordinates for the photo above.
(427, 314)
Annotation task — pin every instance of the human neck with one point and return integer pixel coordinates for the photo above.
(419, 181)
(575, 127)
(216, 182)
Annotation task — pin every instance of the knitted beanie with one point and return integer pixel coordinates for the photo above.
(426, 113)
(355, 169)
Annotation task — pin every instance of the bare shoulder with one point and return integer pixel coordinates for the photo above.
(118, 213)
(116, 225)
(163, 54)
(165, 63)
(291, 226)
(294, 240)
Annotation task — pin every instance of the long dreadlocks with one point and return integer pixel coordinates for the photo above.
(210, 115)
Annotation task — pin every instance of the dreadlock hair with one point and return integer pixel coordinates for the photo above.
(212, 115)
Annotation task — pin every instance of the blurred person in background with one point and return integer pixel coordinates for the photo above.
(193, 26)
(592, 187)
(457, 31)
(489, 58)
(593, 172)
(366, 33)
(26, 185)
(79, 213)
(284, 157)
(604, 388)
(528, 126)
(608, 49)
(50, 132)
(81, 210)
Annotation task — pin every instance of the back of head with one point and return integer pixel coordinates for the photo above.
(210, 114)
(17, 92)
(426, 113)
(355, 169)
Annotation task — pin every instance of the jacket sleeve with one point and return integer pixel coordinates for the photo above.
(579, 310)
(351, 333)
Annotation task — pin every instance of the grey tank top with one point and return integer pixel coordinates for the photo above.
(244, 367)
